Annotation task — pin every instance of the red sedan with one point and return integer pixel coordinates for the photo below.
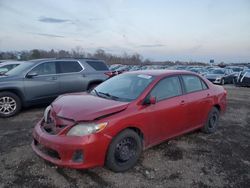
(124, 115)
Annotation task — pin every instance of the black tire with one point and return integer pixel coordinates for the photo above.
(10, 104)
(124, 151)
(211, 124)
(91, 87)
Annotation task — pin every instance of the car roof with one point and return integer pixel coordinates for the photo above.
(62, 59)
(160, 72)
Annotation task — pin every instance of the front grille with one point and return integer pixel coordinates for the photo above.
(77, 156)
(211, 79)
(48, 151)
(50, 128)
(53, 128)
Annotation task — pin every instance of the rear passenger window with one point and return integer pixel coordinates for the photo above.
(45, 69)
(167, 88)
(192, 83)
(97, 65)
(69, 66)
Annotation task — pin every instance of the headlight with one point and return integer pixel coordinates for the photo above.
(218, 78)
(86, 129)
(46, 114)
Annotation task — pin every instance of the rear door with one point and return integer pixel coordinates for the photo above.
(44, 84)
(169, 114)
(199, 100)
(71, 77)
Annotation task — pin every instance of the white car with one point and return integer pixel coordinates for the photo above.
(7, 66)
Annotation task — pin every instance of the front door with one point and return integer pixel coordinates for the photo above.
(43, 84)
(169, 113)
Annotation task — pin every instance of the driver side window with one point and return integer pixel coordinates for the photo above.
(45, 69)
(167, 88)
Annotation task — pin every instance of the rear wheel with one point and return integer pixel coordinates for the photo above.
(124, 151)
(91, 87)
(10, 104)
(212, 121)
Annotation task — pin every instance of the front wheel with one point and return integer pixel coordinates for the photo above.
(212, 121)
(124, 151)
(10, 104)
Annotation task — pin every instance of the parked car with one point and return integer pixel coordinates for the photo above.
(41, 81)
(7, 66)
(243, 78)
(181, 67)
(135, 68)
(124, 115)
(220, 76)
(235, 69)
(123, 68)
(114, 67)
(198, 70)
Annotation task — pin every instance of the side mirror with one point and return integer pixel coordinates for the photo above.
(149, 100)
(31, 75)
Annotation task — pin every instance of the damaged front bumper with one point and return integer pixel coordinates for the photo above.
(70, 151)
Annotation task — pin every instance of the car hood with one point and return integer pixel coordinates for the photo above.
(86, 107)
(4, 77)
(213, 75)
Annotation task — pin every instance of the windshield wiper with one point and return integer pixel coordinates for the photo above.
(96, 92)
(107, 95)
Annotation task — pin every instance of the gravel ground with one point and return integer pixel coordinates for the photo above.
(221, 159)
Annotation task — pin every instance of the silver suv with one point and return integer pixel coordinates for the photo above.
(41, 81)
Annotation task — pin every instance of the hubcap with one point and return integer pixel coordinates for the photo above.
(213, 120)
(125, 150)
(7, 105)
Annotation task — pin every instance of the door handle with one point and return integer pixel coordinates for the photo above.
(54, 78)
(182, 102)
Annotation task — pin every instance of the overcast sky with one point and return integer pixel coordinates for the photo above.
(196, 30)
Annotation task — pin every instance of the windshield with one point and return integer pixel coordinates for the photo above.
(19, 69)
(124, 87)
(237, 69)
(217, 71)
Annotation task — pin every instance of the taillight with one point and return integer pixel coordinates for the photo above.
(109, 74)
(112, 73)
